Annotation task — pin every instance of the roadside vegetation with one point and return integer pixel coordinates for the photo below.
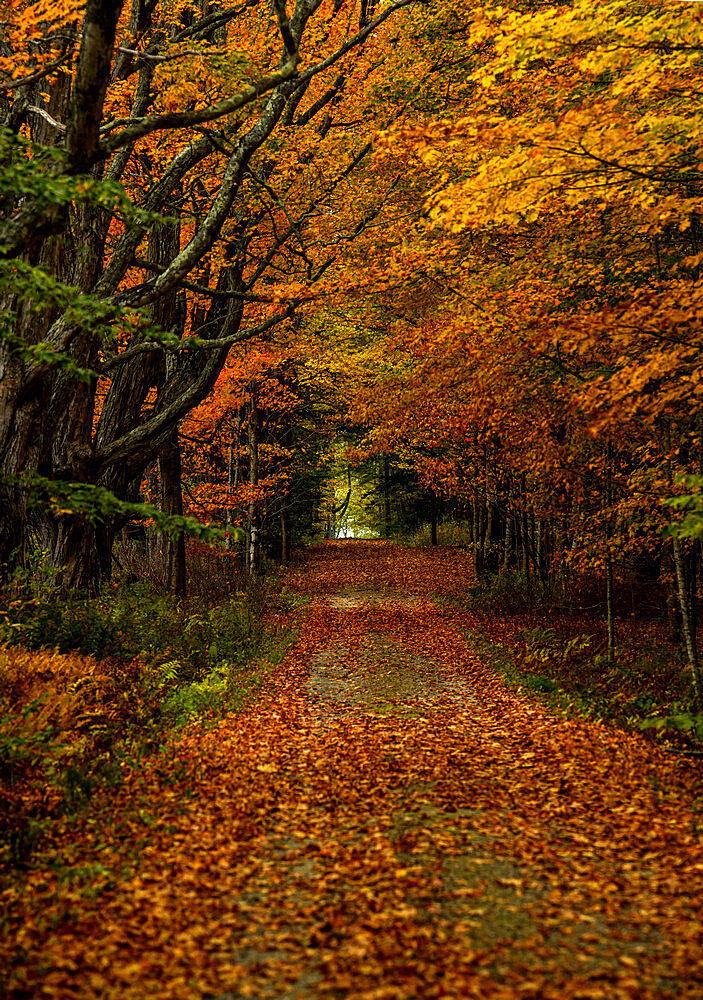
(91, 684)
(549, 638)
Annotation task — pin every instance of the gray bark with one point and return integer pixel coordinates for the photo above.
(609, 599)
(507, 550)
(386, 497)
(687, 619)
(172, 503)
(524, 531)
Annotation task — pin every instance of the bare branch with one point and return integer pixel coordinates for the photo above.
(354, 41)
(137, 439)
(212, 293)
(284, 27)
(196, 343)
(212, 22)
(137, 128)
(320, 103)
(46, 116)
(149, 57)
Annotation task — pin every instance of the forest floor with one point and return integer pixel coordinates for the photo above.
(388, 821)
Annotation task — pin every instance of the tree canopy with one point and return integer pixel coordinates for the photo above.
(457, 246)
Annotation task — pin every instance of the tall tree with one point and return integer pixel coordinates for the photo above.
(207, 109)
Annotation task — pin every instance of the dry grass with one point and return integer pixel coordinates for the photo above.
(55, 712)
(63, 686)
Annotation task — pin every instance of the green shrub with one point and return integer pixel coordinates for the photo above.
(137, 622)
(544, 645)
(226, 687)
(74, 624)
(508, 591)
(67, 718)
(449, 532)
(680, 722)
(23, 745)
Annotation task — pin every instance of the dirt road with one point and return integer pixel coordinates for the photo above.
(390, 822)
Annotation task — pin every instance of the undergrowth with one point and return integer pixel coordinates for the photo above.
(559, 656)
(449, 532)
(595, 691)
(88, 682)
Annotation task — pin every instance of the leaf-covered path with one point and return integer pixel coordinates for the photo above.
(389, 822)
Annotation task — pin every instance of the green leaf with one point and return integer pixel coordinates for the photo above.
(96, 504)
(691, 525)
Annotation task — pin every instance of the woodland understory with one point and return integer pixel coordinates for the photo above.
(351, 498)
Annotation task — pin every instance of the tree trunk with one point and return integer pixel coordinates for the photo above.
(693, 585)
(524, 531)
(252, 524)
(610, 608)
(48, 428)
(81, 554)
(508, 544)
(539, 549)
(609, 602)
(233, 477)
(474, 520)
(153, 540)
(386, 497)
(479, 547)
(687, 619)
(488, 535)
(285, 536)
(174, 549)
(287, 440)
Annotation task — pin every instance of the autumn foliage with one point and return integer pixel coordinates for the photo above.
(270, 273)
(390, 821)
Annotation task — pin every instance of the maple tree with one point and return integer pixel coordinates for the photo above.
(535, 305)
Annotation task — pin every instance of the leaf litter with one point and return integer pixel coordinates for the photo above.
(389, 821)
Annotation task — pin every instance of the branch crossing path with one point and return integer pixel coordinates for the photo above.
(389, 821)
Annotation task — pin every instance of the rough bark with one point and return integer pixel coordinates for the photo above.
(285, 536)
(609, 598)
(508, 544)
(287, 442)
(386, 497)
(524, 531)
(90, 84)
